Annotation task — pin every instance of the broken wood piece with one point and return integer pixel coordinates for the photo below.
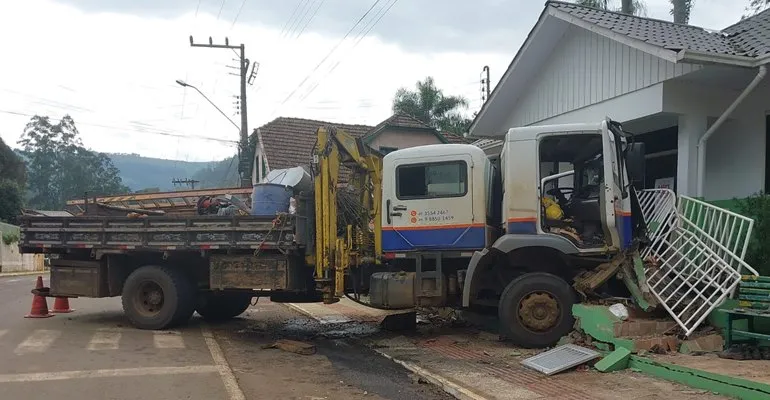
(292, 346)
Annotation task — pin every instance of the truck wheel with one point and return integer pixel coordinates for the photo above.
(535, 310)
(157, 297)
(221, 307)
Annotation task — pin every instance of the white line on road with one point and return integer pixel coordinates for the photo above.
(105, 339)
(39, 341)
(225, 372)
(107, 373)
(168, 339)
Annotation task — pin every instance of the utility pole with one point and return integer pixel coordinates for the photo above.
(189, 182)
(244, 163)
(485, 90)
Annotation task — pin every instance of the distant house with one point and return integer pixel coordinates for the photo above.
(288, 142)
(668, 83)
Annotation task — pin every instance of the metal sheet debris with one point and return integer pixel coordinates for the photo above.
(560, 358)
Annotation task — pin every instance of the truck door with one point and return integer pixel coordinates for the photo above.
(615, 195)
(428, 204)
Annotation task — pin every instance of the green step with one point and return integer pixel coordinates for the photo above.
(750, 297)
(756, 285)
(754, 278)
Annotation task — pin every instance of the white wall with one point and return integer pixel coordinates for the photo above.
(735, 156)
(585, 69)
(12, 261)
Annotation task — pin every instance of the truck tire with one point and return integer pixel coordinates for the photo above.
(223, 306)
(156, 297)
(535, 310)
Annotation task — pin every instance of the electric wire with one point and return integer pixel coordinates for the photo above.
(358, 40)
(323, 60)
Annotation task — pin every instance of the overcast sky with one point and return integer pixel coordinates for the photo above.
(111, 64)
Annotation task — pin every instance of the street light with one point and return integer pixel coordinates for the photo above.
(185, 84)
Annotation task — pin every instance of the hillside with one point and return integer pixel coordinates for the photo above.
(140, 172)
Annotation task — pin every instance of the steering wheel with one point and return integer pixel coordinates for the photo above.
(561, 194)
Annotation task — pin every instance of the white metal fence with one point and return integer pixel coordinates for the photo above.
(695, 257)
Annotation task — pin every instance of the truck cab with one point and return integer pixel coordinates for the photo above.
(511, 235)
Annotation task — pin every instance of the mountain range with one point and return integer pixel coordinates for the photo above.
(153, 174)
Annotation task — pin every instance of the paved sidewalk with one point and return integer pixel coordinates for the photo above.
(472, 364)
(24, 273)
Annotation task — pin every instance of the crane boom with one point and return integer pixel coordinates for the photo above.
(337, 248)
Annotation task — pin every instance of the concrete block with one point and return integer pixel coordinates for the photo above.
(708, 343)
(615, 361)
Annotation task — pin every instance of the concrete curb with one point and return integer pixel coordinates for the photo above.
(454, 389)
(25, 273)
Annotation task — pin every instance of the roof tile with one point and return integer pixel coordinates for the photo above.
(750, 37)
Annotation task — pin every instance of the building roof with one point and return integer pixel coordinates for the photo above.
(401, 120)
(749, 38)
(288, 142)
(455, 139)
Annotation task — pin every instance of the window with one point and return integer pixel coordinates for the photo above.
(386, 149)
(419, 181)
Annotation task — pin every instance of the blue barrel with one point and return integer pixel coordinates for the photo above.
(268, 199)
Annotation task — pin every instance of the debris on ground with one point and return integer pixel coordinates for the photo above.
(560, 358)
(293, 346)
(746, 352)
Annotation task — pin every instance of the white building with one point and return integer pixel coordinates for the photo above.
(682, 89)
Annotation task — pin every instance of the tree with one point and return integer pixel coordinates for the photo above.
(756, 7)
(11, 201)
(60, 168)
(681, 10)
(429, 104)
(630, 7)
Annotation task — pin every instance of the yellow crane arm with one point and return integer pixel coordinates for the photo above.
(335, 250)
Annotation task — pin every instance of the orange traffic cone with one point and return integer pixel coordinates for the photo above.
(39, 305)
(61, 305)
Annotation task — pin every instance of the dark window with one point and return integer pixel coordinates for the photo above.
(386, 149)
(420, 181)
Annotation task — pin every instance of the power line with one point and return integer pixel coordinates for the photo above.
(220, 9)
(325, 58)
(153, 132)
(243, 3)
(291, 17)
(298, 21)
(359, 39)
(320, 3)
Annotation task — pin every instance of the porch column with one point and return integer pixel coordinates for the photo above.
(691, 127)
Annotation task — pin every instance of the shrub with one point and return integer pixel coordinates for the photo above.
(757, 207)
(10, 238)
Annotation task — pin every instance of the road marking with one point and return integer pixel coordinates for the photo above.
(107, 373)
(168, 339)
(225, 372)
(105, 339)
(39, 341)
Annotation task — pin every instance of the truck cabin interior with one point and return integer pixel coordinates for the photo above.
(571, 177)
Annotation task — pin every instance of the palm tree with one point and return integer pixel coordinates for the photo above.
(756, 6)
(681, 10)
(630, 7)
(429, 104)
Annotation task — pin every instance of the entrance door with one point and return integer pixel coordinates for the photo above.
(428, 204)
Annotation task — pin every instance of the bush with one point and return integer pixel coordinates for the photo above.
(10, 201)
(757, 207)
(10, 238)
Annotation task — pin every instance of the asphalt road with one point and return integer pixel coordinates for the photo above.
(93, 353)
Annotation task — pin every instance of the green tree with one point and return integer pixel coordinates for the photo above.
(430, 105)
(681, 10)
(756, 7)
(11, 201)
(60, 168)
(630, 7)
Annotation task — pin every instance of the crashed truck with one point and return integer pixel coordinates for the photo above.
(552, 221)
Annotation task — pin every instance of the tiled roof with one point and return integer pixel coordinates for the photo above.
(288, 142)
(398, 120)
(750, 37)
(752, 34)
(454, 139)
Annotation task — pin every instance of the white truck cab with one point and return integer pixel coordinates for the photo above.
(511, 234)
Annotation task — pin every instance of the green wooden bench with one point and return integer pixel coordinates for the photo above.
(753, 303)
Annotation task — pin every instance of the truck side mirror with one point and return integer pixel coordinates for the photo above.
(635, 164)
